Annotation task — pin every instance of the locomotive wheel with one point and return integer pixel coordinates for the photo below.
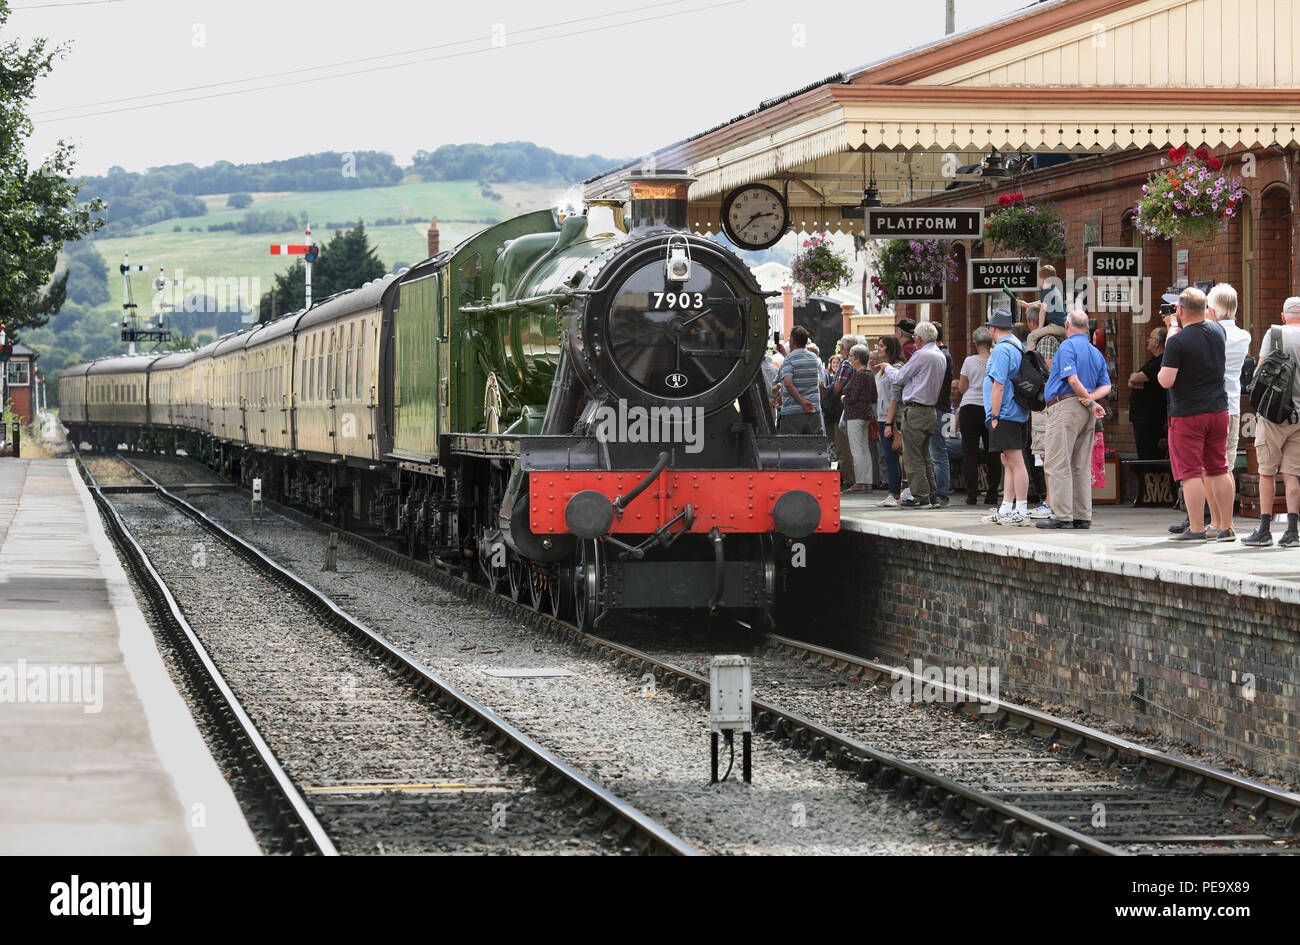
(560, 598)
(493, 577)
(537, 587)
(517, 577)
(586, 586)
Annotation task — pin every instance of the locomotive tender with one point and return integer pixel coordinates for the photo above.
(568, 406)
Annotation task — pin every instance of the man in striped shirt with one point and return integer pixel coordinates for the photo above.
(800, 379)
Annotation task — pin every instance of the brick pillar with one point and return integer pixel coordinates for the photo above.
(432, 236)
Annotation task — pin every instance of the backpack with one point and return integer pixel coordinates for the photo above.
(1028, 384)
(1271, 392)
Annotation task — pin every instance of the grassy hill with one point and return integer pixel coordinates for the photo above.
(227, 254)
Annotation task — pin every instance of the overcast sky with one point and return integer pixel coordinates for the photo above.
(617, 78)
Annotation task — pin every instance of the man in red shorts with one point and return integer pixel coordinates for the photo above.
(1192, 371)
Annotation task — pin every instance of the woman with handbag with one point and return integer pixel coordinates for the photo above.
(888, 352)
(859, 399)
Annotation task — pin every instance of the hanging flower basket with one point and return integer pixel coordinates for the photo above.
(1190, 198)
(895, 259)
(818, 267)
(1021, 228)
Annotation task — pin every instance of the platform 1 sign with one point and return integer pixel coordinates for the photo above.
(990, 275)
(1116, 275)
(936, 223)
(920, 287)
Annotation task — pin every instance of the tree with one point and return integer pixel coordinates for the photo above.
(38, 206)
(345, 262)
(239, 201)
(87, 275)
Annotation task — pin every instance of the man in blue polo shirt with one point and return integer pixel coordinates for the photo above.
(800, 379)
(1074, 388)
(1008, 421)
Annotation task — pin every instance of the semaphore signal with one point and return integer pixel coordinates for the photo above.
(131, 330)
(308, 251)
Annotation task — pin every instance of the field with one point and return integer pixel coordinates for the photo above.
(230, 255)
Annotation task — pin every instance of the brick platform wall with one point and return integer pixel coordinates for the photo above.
(1080, 638)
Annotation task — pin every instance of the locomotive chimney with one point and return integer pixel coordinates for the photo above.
(433, 238)
(659, 200)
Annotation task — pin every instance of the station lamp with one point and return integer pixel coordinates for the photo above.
(994, 166)
(870, 193)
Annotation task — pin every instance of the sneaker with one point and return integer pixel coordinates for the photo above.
(1043, 511)
(1053, 523)
(1190, 535)
(1015, 518)
(913, 504)
(888, 502)
(937, 505)
(1180, 527)
(1289, 540)
(944, 500)
(993, 518)
(1081, 523)
(972, 499)
(1259, 538)
(1222, 534)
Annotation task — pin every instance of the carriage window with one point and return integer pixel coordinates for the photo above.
(361, 357)
(347, 376)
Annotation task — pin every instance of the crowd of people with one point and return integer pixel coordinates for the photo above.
(1027, 404)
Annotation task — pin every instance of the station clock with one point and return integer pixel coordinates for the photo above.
(755, 216)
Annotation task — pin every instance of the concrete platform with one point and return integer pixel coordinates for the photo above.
(1124, 540)
(98, 752)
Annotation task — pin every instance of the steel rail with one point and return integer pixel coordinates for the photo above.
(1253, 796)
(555, 772)
(298, 830)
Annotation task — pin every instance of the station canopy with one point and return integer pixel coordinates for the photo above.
(1072, 77)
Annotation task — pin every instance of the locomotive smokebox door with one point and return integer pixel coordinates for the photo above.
(729, 707)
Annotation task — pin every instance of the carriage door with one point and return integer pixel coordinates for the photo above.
(442, 352)
(333, 384)
(245, 396)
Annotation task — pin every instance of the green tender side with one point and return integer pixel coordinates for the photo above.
(420, 355)
(443, 356)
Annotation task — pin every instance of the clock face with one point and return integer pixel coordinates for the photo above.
(755, 217)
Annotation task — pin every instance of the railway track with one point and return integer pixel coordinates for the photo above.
(278, 813)
(1022, 779)
(365, 732)
(1124, 794)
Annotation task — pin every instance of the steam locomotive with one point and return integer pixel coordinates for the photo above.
(570, 408)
